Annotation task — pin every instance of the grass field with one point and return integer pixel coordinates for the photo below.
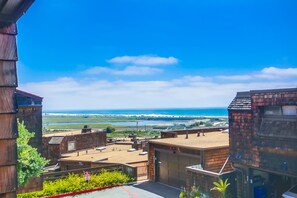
(62, 123)
(86, 119)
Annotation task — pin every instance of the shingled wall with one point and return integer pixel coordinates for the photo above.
(266, 151)
(276, 152)
(256, 142)
(82, 141)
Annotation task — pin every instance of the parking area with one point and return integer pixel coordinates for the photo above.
(140, 190)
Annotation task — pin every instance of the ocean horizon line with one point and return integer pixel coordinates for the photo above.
(173, 112)
(173, 108)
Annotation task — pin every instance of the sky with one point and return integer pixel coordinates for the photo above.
(132, 54)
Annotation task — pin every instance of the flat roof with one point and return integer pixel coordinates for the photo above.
(115, 153)
(211, 140)
(67, 133)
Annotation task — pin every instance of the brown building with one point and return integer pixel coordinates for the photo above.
(263, 141)
(54, 145)
(10, 12)
(30, 111)
(182, 160)
(112, 154)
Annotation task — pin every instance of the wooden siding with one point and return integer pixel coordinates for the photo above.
(215, 159)
(8, 146)
(8, 129)
(8, 195)
(7, 100)
(9, 29)
(273, 150)
(82, 141)
(7, 73)
(34, 184)
(212, 160)
(10, 11)
(32, 117)
(8, 49)
(151, 163)
(8, 182)
(240, 136)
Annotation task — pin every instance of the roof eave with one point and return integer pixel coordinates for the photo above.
(15, 14)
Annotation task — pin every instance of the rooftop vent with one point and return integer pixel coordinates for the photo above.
(131, 150)
(86, 129)
(100, 149)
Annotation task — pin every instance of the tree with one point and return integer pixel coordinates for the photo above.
(30, 162)
(110, 129)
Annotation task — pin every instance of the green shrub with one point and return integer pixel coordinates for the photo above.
(183, 193)
(75, 182)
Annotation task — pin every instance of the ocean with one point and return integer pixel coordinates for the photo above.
(177, 112)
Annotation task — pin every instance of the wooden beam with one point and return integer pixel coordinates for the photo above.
(2, 4)
(13, 17)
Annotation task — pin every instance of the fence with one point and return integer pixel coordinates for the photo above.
(129, 170)
(142, 172)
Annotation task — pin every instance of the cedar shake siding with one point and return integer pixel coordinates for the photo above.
(30, 111)
(10, 12)
(55, 146)
(263, 138)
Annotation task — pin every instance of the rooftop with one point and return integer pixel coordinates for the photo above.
(242, 101)
(56, 140)
(68, 133)
(211, 140)
(115, 153)
(26, 94)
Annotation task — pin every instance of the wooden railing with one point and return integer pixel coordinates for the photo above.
(127, 169)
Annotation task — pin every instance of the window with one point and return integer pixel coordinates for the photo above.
(272, 110)
(289, 110)
(71, 145)
(279, 121)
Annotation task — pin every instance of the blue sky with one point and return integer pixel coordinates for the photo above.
(116, 54)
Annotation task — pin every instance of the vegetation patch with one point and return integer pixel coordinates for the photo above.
(75, 183)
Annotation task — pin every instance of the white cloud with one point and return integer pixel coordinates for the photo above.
(236, 77)
(264, 74)
(144, 60)
(98, 70)
(128, 71)
(274, 72)
(187, 91)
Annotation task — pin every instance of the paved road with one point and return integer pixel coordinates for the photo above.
(140, 190)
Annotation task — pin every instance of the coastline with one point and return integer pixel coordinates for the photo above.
(140, 119)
